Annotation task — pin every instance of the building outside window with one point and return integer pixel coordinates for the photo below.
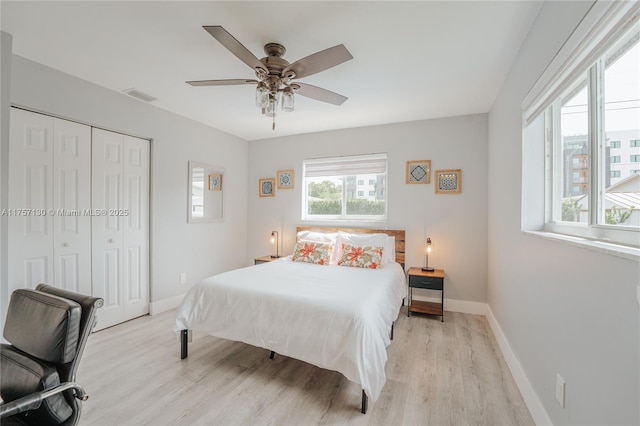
(615, 173)
(635, 158)
(634, 143)
(615, 144)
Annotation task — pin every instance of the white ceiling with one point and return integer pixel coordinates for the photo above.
(412, 60)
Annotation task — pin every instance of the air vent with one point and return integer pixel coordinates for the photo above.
(140, 95)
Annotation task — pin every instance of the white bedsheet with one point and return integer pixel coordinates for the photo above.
(334, 317)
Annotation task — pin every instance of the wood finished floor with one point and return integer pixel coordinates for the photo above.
(449, 373)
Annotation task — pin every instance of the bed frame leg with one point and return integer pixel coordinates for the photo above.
(184, 340)
(272, 355)
(392, 324)
(365, 402)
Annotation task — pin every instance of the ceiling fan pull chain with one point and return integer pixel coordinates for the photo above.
(273, 125)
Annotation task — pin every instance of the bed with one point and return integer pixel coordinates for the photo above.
(335, 317)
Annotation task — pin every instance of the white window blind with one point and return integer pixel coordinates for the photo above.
(344, 166)
(589, 41)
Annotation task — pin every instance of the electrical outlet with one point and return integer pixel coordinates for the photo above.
(560, 390)
(183, 278)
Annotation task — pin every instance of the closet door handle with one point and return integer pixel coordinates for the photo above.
(110, 240)
(65, 244)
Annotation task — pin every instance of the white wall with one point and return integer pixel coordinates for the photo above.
(199, 249)
(457, 224)
(564, 309)
(6, 44)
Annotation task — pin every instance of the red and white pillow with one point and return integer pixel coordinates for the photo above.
(361, 256)
(312, 252)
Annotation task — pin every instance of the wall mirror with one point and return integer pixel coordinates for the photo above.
(206, 191)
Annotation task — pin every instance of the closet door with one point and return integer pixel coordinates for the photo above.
(136, 226)
(49, 181)
(30, 197)
(72, 204)
(120, 233)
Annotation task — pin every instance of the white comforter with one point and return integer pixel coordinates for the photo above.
(334, 317)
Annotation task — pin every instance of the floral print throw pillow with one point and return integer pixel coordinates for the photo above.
(312, 252)
(361, 256)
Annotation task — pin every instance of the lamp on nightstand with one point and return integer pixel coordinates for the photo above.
(427, 250)
(274, 239)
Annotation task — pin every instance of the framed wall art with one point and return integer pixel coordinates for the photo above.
(267, 187)
(285, 179)
(215, 182)
(448, 181)
(419, 171)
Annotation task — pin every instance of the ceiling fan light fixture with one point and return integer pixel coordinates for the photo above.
(262, 95)
(287, 99)
(272, 106)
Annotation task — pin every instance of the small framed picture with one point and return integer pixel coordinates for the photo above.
(448, 181)
(267, 187)
(215, 182)
(419, 171)
(285, 179)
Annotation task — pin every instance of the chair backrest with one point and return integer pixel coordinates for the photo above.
(89, 306)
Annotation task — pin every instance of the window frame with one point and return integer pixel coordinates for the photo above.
(605, 25)
(595, 227)
(344, 217)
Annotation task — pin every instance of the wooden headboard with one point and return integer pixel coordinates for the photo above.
(398, 233)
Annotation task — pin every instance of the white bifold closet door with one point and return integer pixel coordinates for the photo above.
(49, 187)
(120, 229)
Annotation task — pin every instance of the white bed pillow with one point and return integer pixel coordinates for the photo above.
(372, 240)
(320, 237)
(389, 254)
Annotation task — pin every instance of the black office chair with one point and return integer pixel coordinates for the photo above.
(48, 328)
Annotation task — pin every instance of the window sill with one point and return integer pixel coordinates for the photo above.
(625, 252)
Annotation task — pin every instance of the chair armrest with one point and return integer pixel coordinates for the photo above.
(33, 401)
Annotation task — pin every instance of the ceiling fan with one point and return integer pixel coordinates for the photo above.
(275, 75)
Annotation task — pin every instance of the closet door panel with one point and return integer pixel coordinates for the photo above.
(72, 203)
(136, 224)
(106, 229)
(30, 199)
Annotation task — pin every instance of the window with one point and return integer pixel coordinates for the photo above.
(589, 93)
(330, 193)
(372, 181)
(634, 143)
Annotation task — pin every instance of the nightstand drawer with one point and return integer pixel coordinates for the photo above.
(432, 283)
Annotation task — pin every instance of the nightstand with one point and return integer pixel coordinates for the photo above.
(430, 280)
(264, 259)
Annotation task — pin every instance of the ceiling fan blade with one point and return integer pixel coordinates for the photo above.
(319, 61)
(227, 82)
(234, 46)
(319, 94)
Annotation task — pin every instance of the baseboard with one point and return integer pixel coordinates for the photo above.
(454, 305)
(165, 304)
(539, 414)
